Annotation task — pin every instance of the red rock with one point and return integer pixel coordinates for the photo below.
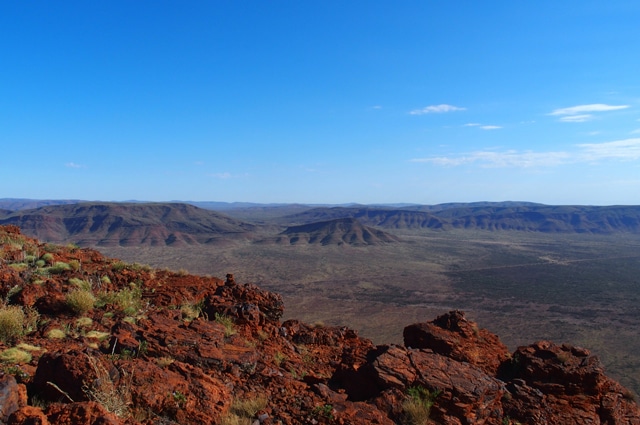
(454, 336)
(28, 415)
(87, 413)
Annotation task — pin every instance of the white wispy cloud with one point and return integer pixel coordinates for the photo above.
(626, 150)
(622, 150)
(483, 127)
(583, 113)
(636, 131)
(73, 165)
(577, 118)
(510, 158)
(436, 109)
(594, 107)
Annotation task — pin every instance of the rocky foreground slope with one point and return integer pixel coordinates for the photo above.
(89, 340)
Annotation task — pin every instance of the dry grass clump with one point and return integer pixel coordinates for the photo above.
(227, 322)
(115, 397)
(191, 311)
(59, 267)
(12, 319)
(80, 301)
(417, 406)
(15, 356)
(56, 334)
(129, 300)
(243, 411)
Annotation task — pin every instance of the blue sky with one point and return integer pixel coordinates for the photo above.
(321, 102)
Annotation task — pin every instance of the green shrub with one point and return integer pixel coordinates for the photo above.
(80, 301)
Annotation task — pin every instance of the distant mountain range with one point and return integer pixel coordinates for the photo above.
(533, 218)
(175, 224)
(128, 224)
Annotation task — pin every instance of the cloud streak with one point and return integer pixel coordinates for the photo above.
(436, 109)
(483, 127)
(583, 113)
(620, 150)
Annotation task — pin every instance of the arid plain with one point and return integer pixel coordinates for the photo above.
(582, 289)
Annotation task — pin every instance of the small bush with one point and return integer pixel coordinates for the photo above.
(80, 301)
(12, 320)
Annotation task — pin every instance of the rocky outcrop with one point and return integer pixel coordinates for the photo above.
(160, 347)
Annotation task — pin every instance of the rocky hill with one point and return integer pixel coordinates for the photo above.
(128, 224)
(86, 339)
(335, 232)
